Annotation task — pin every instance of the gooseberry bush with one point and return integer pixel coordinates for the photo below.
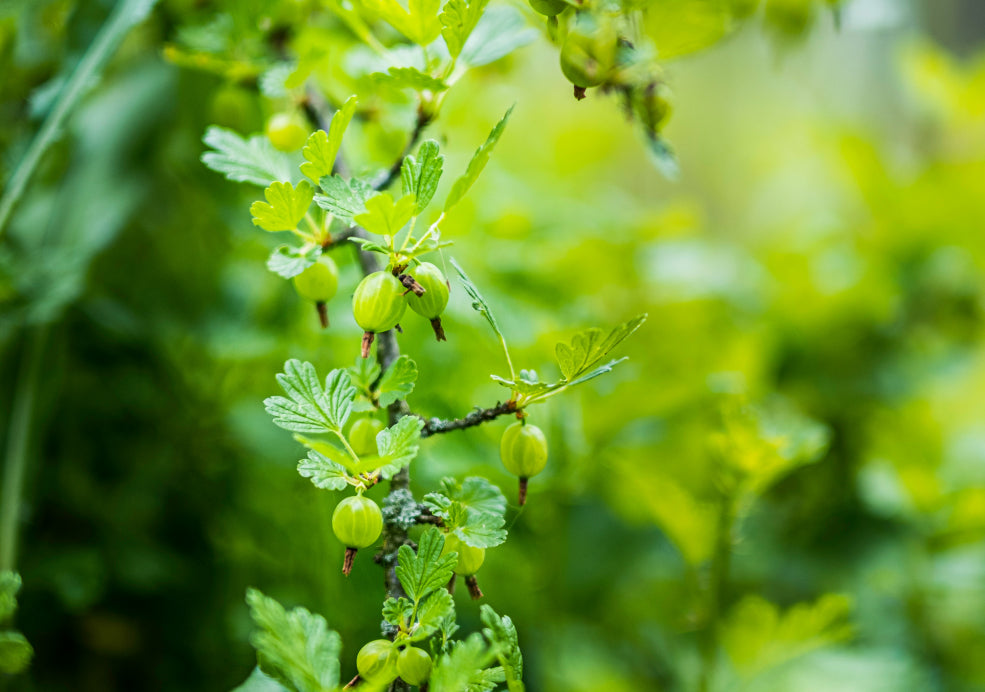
(353, 421)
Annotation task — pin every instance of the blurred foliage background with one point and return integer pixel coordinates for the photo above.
(822, 256)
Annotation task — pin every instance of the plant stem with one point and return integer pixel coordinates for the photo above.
(18, 438)
(717, 590)
(125, 15)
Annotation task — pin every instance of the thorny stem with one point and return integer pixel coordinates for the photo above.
(434, 426)
(717, 590)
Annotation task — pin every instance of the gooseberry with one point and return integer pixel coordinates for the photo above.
(378, 304)
(414, 666)
(287, 131)
(548, 8)
(432, 303)
(523, 450)
(362, 435)
(377, 661)
(318, 283)
(357, 522)
(588, 52)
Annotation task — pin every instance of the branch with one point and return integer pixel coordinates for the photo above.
(434, 426)
(423, 119)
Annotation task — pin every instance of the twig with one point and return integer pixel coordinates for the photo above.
(434, 426)
(423, 119)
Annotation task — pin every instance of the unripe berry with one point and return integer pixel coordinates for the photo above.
(287, 131)
(378, 304)
(362, 435)
(589, 51)
(414, 666)
(435, 298)
(523, 450)
(377, 661)
(318, 283)
(469, 559)
(549, 8)
(357, 522)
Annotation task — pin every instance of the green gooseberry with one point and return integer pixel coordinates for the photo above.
(435, 298)
(378, 304)
(287, 131)
(414, 666)
(377, 661)
(362, 435)
(523, 450)
(357, 522)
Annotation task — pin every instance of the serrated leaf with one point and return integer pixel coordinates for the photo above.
(398, 611)
(463, 668)
(343, 199)
(409, 78)
(398, 444)
(427, 570)
(260, 682)
(501, 632)
(323, 472)
(500, 31)
(433, 611)
(478, 162)
(473, 511)
(482, 530)
(587, 348)
(310, 408)
(370, 246)
(398, 381)
(383, 216)
(459, 19)
(420, 174)
(479, 303)
(322, 147)
(364, 373)
(288, 261)
(252, 160)
(526, 389)
(601, 370)
(286, 205)
(295, 647)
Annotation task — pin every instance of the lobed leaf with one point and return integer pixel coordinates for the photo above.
(500, 31)
(420, 175)
(459, 19)
(289, 261)
(383, 216)
(252, 160)
(409, 78)
(434, 610)
(323, 472)
(295, 647)
(310, 408)
(343, 199)
(427, 570)
(322, 147)
(286, 205)
(501, 632)
(589, 347)
(398, 445)
(398, 380)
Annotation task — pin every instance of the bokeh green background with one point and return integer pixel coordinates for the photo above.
(825, 247)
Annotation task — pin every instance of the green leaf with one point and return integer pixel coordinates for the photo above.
(260, 682)
(476, 494)
(479, 303)
(501, 632)
(587, 348)
(419, 22)
(478, 162)
(663, 157)
(10, 586)
(409, 78)
(420, 175)
(501, 30)
(310, 408)
(398, 444)
(252, 160)
(434, 610)
(286, 205)
(330, 452)
(323, 472)
(364, 373)
(463, 667)
(459, 18)
(398, 380)
(482, 530)
(757, 636)
(370, 246)
(343, 199)
(384, 216)
(398, 611)
(427, 570)
(296, 648)
(289, 261)
(527, 389)
(322, 147)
